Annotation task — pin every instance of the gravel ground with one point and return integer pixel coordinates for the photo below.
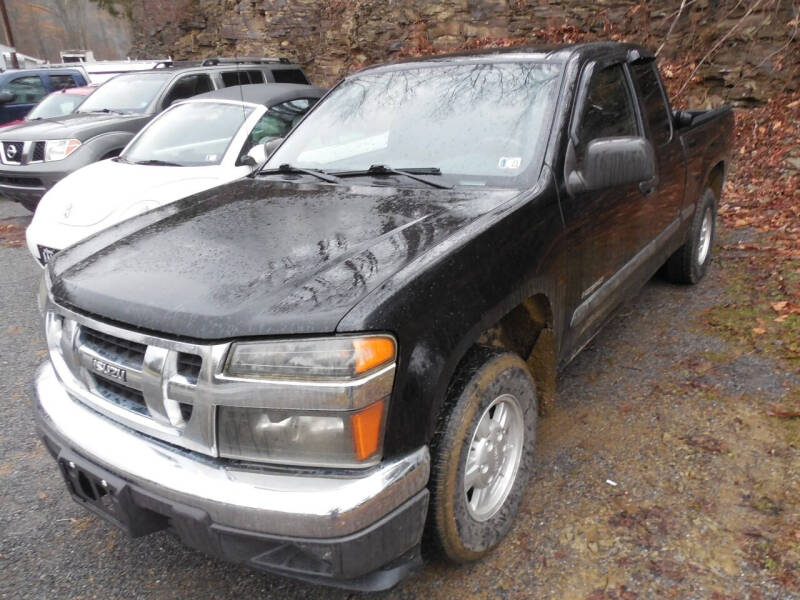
(661, 474)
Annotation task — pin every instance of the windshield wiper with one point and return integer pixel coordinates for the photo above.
(157, 163)
(102, 110)
(288, 169)
(411, 173)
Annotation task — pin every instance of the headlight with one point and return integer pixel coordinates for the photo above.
(335, 358)
(327, 436)
(59, 149)
(347, 439)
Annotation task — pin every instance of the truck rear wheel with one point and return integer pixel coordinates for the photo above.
(482, 454)
(690, 262)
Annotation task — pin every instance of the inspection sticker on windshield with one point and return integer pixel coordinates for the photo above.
(510, 162)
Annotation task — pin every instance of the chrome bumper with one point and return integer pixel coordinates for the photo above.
(313, 505)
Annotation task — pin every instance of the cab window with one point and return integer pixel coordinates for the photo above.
(653, 101)
(26, 90)
(62, 82)
(608, 110)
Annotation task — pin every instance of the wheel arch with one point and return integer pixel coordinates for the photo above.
(527, 329)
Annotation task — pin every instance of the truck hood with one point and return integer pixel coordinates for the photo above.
(258, 258)
(76, 125)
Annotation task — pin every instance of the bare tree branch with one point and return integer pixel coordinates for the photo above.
(715, 46)
(671, 27)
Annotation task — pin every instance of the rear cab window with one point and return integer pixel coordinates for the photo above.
(654, 101)
(62, 81)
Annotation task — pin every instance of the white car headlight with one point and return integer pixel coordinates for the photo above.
(59, 149)
(318, 437)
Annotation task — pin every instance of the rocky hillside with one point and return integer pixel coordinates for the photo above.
(753, 53)
(42, 28)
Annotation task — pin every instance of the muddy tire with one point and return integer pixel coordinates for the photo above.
(482, 454)
(690, 262)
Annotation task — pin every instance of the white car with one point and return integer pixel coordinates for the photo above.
(192, 146)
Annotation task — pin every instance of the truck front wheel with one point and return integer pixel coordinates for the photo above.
(482, 454)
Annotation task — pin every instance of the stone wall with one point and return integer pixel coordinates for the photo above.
(756, 58)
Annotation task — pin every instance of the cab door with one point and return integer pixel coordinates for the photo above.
(662, 208)
(602, 226)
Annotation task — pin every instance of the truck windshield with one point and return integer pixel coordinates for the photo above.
(478, 123)
(55, 105)
(188, 135)
(125, 93)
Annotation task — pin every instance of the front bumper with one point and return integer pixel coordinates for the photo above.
(30, 182)
(357, 531)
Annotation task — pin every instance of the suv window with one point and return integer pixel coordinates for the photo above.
(608, 110)
(62, 82)
(27, 90)
(188, 86)
(655, 107)
(230, 78)
(289, 76)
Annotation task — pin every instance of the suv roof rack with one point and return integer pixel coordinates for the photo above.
(238, 60)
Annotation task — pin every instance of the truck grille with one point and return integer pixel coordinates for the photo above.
(145, 382)
(120, 395)
(125, 351)
(38, 152)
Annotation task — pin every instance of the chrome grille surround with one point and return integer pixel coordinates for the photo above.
(167, 393)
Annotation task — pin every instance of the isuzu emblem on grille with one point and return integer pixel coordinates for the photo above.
(109, 370)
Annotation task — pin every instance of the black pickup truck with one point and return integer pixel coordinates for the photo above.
(307, 369)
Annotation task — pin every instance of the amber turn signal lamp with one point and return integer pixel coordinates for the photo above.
(372, 351)
(365, 426)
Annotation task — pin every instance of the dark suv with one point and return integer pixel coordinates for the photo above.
(35, 156)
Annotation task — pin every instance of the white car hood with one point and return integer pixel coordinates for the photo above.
(92, 194)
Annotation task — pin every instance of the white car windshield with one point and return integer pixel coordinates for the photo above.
(477, 123)
(191, 134)
(129, 93)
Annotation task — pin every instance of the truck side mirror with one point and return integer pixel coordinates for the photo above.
(6, 97)
(611, 162)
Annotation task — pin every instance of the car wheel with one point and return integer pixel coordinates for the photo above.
(482, 454)
(690, 262)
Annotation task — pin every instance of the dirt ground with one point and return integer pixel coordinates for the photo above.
(669, 467)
